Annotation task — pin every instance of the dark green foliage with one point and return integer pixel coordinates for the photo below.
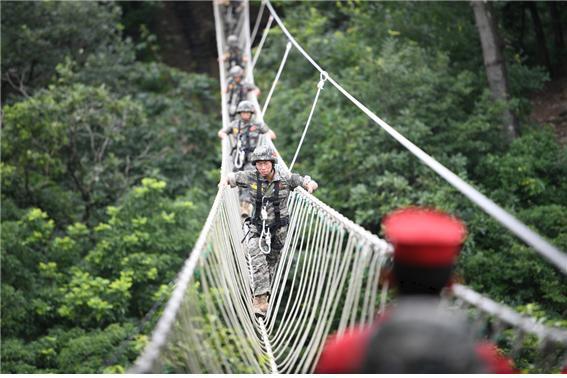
(38, 36)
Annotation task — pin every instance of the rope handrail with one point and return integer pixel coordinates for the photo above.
(508, 315)
(160, 333)
(550, 252)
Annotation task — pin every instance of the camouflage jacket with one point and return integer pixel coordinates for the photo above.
(234, 57)
(247, 132)
(237, 92)
(249, 179)
(241, 89)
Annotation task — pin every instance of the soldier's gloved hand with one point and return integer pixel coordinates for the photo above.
(222, 134)
(223, 182)
(312, 186)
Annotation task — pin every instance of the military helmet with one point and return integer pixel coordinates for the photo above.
(236, 71)
(245, 106)
(232, 40)
(263, 153)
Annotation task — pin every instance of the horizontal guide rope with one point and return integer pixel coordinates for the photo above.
(509, 316)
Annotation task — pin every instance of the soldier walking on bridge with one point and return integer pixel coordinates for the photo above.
(233, 56)
(270, 186)
(237, 89)
(246, 133)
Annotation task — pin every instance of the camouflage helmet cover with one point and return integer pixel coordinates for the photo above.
(246, 106)
(232, 40)
(263, 153)
(236, 71)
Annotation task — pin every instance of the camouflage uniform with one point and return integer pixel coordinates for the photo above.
(248, 133)
(237, 92)
(232, 10)
(264, 265)
(234, 57)
(234, 54)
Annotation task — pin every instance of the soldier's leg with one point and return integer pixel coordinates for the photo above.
(278, 241)
(260, 272)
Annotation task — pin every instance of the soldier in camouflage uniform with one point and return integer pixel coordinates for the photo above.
(246, 133)
(270, 187)
(238, 90)
(231, 10)
(234, 55)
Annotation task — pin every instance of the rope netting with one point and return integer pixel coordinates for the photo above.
(328, 278)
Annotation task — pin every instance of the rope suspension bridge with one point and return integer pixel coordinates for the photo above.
(328, 277)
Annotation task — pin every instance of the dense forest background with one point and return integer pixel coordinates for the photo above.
(110, 157)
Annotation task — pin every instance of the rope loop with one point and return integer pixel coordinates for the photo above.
(323, 76)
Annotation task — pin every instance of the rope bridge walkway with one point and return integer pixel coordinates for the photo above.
(328, 275)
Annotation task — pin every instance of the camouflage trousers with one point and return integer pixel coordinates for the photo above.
(264, 265)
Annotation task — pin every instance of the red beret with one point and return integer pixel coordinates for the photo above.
(424, 236)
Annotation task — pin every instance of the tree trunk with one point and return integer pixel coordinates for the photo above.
(558, 37)
(494, 63)
(541, 45)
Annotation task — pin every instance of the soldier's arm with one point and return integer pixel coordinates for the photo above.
(230, 179)
(251, 88)
(263, 128)
(241, 179)
(306, 182)
(223, 133)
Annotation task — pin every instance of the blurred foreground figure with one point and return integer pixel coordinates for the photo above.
(426, 246)
(420, 336)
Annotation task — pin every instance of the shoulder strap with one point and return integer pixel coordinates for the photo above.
(239, 124)
(241, 91)
(247, 140)
(276, 202)
(258, 197)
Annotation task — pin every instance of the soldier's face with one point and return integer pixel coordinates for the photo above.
(245, 116)
(238, 78)
(264, 167)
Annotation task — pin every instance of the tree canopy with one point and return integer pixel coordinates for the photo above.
(110, 157)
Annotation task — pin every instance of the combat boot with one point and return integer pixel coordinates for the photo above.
(260, 305)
